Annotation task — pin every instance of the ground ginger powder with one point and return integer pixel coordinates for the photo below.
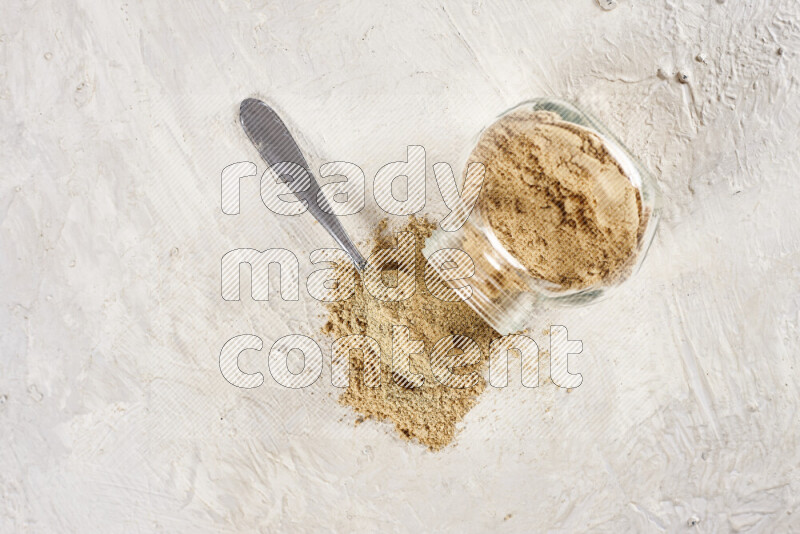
(557, 200)
(429, 413)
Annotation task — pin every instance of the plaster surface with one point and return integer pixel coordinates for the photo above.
(117, 119)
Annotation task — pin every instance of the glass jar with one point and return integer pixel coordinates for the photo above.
(504, 292)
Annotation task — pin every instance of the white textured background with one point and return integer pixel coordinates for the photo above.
(117, 119)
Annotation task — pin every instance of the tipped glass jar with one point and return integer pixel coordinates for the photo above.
(566, 213)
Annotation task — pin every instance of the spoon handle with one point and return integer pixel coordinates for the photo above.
(278, 148)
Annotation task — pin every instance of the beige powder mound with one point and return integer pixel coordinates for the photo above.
(557, 200)
(428, 413)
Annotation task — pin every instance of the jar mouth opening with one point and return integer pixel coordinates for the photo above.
(504, 309)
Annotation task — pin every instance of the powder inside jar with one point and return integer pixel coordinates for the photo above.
(557, 200)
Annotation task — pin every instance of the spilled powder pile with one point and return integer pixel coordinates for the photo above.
(557, 200)
(428, 413)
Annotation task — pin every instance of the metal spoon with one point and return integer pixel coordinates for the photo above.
(276, 145)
